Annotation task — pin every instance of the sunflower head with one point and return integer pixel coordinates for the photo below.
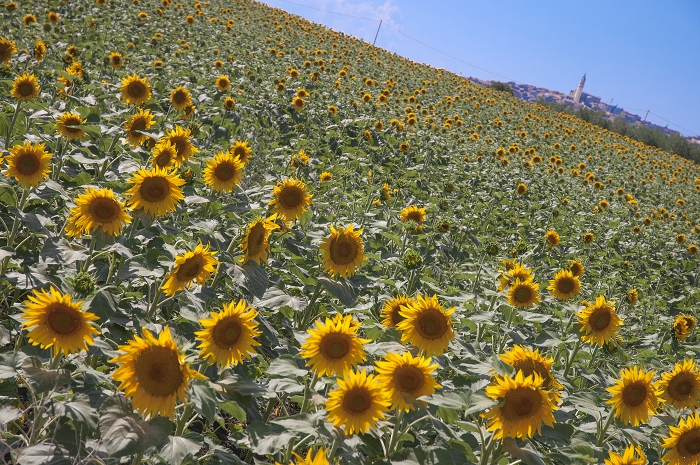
(180, 98)
(565, 285)
(358, 402)
(552, 238)
(405, 378)
(521, 189)
(97, 209)
(514, 271)
(426, 325)
(326, 176)
(180, 138)
(531, 362)
(7, 48)
(25, 87)
(343, 251)
(523, 294)
(157, 191)
(68, 125)
(632, 297)
(391, 310)
(298, 103)
(599, 322)
(242, 150)
(165, 155)
(39, 51)
(413, 213)
(577, 269)
(681, 387)
(229, 335)
(683, 326)
(223, 172)
(290, 199)
(116, 60)
(222, 83)
(633, 455)
(333, 347)
(29, 164)
(135, 90)
(634, 396)
(255, 245)
(135, 126)
(683, 442)
(195, 266)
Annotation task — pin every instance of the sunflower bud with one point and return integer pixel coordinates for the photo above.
(412, 259)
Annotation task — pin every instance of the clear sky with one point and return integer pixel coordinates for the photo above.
(641, 54)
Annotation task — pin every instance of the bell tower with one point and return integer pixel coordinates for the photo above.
(579, 89)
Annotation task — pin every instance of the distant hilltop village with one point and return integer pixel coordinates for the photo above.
(577, 98)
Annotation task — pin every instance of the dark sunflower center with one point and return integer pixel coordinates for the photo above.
(154, 189)
(396, 317)
(681, 386)
(521, 402)
(343, 250)
(180, 144)
(26, 89)
(431, 324)
(163, 158)
(158, 371)
(179, 97)
(357, 400)
(690, 323)
(634, 394)
(408, 378)
(136, 89)
(225, 171)
(565, 285)
(70, 125)
(689, 443)
(575, 270)
(139, 124)
(227, 332)
(335, 346)
(530, 366)
(116, 61)
(190, 269)
(523, 294)
(27, 164)
(600, 319)
(291, 197)
(414, 216)
(63, 319)
(240, 152)
(256, 238)
(104, 210)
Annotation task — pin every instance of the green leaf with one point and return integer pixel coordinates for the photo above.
(43, 454)
(456, 398)
(42, 380)
(77, 409)
(286, 366)
(232, 408)
(204, 399)
(8, 414)
(252, 278)
(180, 447)
(341, 290)
(275, 298)
(266, 439)
(103, 304)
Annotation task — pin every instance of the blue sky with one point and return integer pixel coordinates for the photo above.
(641, 54)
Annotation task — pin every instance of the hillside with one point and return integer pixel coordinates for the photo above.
(231, 235)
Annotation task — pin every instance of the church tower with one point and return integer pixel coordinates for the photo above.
(579, 89)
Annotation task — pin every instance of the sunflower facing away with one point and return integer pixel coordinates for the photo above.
(684, 442)
(524, 359)
(97, 209)
(195, 266)
(135, 90)
(25, 87)
(634, 396)
(229, 335)
(7, 48)
(681, 387)
(223, 172)
(565, 285)
(599, 322)
(134, 126)
(633, 455)
(683, 326)
(343, 251)
(68, 125)
(241, 150)
(426, 325)
(523, 294)
(153, 373)
(180, 98)
(157, 191)
(180, 138)
(357, 403)
(29, 164)
(523, 406)
(391, 310)
(165, 155)
(290, 199)
(333, 347)
(56, 321)
(255, 244)
(405, 378)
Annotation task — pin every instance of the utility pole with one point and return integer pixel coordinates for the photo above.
(645, 117)
(377, 34)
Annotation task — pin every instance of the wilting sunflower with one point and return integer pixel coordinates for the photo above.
(523, 294)
(135, 90)
(412, 213)
(25, 87)
(683, 326)
(681, 387)
(180, 98)
(180, 138)
(97, 209)
(634, 396)
(68, 125)
(116, 60)
(39, 51)
(599, 322)
(633, 455)
(290, 199)
(577, 269)
(153, 373)
(223, 172)
(684, 442)
(228, 336)
(28, 163)
(357, 403)
(426, 325)
(343, 251)
(56, 321)
(405, 378)
(157, 191)
(195, 266)
(632, 297)
(333, 347)
(241, 150)
(523, 406)
(165, 155)
(514, 271)
(222, 83)
(565, 285)
(391, 309)
(255, 244)
(141, 121)
(524, 359)
(7, 48)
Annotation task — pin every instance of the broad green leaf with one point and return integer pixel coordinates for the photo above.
(340, 289)
(179, 447)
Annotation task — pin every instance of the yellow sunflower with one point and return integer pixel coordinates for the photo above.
(318, 459)
(255, 245)
(97, 209)
(192, 266)
(180, 138)
(56, 321)
(565, 285)
(134, 126)
(157, 191)
(326, 176)
(241, 150)
(523, 294)
(25, 87)
(222, 83)
(343, 251)
(633, 455)
(7, 48)
(681, 387)
(228, 336)
(634, 396)
(39, 51)
(29, 164)
(333, 347)
(290, 199)
(552, 238)
(391, 310)
(683, 442)
(405, 378)
(165, 155)
(223, 172)
(153, 373)
(135, 90)
(524, 359)
(116, 60)
(577, 269)
(298, 103)
(413, 213)
(683, 325)
(358, 403)
(426, 325)
(68, 125)
(599, 322)
(514, 271)
(180, 98)
(632, 297)
(523, 406)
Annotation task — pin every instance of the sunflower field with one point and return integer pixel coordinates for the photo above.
(232, 236)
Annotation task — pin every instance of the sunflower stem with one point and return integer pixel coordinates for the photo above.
(182, 420)
(570, 360)
(154, 303)
(307, 392)
(336, 442)
(137, 459)
(593, 355)
(56, 361)
(396, 433)
(604, 429)
(12, 125)
(88, 260)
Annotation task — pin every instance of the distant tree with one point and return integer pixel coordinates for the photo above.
(502, 87)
